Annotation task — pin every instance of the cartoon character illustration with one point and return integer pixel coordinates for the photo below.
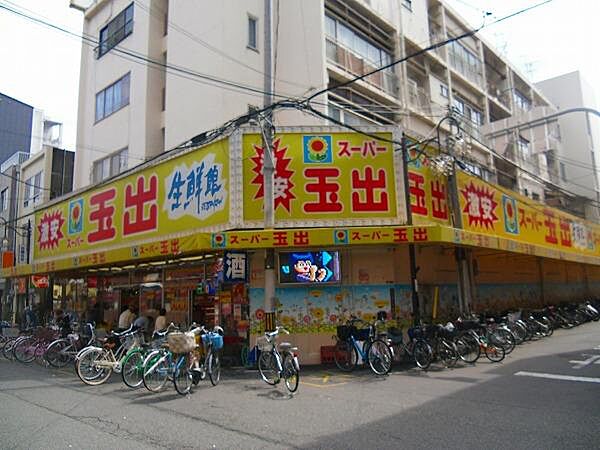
(305, 268)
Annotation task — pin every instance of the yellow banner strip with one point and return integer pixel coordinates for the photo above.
(292, 238)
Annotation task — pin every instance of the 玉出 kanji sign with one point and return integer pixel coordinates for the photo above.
(186, 193)
(324, 177)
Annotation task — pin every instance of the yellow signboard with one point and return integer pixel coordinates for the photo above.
(179, 196)
(322, 178)
(490, 210)
(428, 190)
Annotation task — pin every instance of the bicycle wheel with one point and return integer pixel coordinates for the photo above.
(447, 353)
(380, 357)
(468, 348)
(504, 339)
(7, 350)
(88, 369)
(494, 353)
(214, 368)
(156, 371)
(547, 328)
(40, 352)
(423, 354)
(345, 356)
(24, 350)
(267, 366)
(182, 377)
(55, 353)
(132, 370)
(291, 374)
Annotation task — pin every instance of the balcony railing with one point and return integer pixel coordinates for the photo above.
(349, 61)
(419, 99)
(472, 72)
(16, 159)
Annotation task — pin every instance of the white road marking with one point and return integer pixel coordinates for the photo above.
(557, 377)
(595, 359)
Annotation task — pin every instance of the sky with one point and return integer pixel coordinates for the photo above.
(40, 66)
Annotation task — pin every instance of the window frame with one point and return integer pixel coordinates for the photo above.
(252, 20)
(524, 148)
(124, 84)
(444, 88)
(107, 43)
(110, 166)
(4, 199)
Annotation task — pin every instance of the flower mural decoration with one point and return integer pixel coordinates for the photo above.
(259, 314)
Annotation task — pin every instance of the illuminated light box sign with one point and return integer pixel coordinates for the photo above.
(309, 267)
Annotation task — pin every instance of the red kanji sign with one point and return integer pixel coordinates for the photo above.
(137, 219)
(369, 184)
(102, 214)
(325, 189)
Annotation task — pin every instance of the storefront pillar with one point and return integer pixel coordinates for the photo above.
(541, 271)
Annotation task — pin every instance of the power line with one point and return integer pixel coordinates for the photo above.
(206, 78)
(172, 25)
(425, 50)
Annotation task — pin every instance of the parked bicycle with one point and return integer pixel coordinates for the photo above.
(166, 363)
(94, 365)
(279, 361)
(353, 343)
(415, 349)
(64, 350)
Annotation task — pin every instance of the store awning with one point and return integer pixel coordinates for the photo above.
(181, 247)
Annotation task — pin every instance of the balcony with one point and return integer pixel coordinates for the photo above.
(16, 159)
(419, 99)
(349, 61)
(466, 65)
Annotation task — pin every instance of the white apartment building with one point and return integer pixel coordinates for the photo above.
(131, 109)
(577, 164)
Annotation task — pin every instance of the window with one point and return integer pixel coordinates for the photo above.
(535, 196)
(521, 101)
(33, 188)
(113, 98)
(563, 171)
(407, 4)
(444, 90)
(116, 30)
(358, 44)
(252, 33)
(474, 115)
(523, 146)
(110, 166)
(458, 105)
(4, 200)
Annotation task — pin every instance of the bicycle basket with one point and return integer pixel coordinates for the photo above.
(416, 333)
(181, 342)
(215, 338)
(362, 335)
(264, 345)
(345, 331)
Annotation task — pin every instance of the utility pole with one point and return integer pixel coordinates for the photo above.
(462, 255)
(412, 258)
(268, 163)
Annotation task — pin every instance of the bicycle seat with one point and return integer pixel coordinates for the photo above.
(286, 346)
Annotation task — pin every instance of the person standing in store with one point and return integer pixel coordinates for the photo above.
(161, 320)
(127, 317)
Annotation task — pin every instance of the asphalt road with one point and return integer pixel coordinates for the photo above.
(545, 395)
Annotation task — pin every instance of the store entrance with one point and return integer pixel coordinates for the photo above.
(203, 308)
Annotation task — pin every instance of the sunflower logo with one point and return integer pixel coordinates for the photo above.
(317, 149)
